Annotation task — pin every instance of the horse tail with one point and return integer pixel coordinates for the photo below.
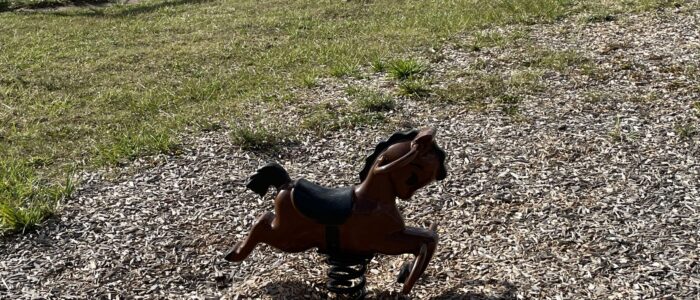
(269, 174)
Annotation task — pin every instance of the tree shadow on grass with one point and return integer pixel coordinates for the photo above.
(463, 290)
(33, 6)
(125, 10)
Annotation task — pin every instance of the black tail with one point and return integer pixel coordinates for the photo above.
(270, 174)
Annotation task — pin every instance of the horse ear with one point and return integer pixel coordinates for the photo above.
(424, 139)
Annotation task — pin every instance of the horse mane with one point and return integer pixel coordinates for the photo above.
(395, 138)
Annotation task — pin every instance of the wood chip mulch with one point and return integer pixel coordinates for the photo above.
(576, 199)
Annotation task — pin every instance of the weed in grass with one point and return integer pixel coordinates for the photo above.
(454, 93)
(257, 137)
(509, 99)
(345, 70)
(320, 120)
(614, 46)
(510, 110)
(474, 90)
(208, 125)
(414, 88)
(527, 80)
(616, 134)
(371, 101)
(648, 97)
(479, 64)
(325, 118)
(309, 81)
(685, 130)
(555, 60)
(596, 96)
(486, 40)
(25, 200)
(509, 104)
(378, 65)
(403, 69)
(595, 72)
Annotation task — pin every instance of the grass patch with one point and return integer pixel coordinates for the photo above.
(526, 80)
(617, 134)
(371, 101)
(415, 88)
(403, 69)
(129, 145)
(124, 80)
(25, 199)
(489, 39)
(345, 70)
(685, 130)
(257, 137)
(309, 81)
(325, 118)
(555, 60)
(509, 104)
(378, 65)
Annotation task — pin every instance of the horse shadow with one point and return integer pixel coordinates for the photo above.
(294, 289)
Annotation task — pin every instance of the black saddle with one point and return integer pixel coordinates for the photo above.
(324, 205)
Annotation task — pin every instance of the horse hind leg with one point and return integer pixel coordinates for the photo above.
(285, 230)
(260, 229)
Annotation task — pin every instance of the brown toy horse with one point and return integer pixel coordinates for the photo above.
(358, 220)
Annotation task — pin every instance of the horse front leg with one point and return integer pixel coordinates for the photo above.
(417, 241)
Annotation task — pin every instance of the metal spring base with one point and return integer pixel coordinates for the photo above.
(346, 275)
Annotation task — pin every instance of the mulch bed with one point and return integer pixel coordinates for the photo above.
(574, 199)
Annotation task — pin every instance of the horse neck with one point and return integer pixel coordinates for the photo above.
(375, 190)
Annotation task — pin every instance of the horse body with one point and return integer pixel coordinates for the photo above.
(370, 224)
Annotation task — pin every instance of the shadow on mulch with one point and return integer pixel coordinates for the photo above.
(301, 290)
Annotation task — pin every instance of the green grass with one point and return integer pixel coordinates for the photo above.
(555, 60)
(257, 137)
(370, 100)
(509, 104)
(378, 65)
(89, 87)
(309, 81)
(481, 40)
(326, 118)
(402, 69)
(25, 199)
(685, 130)
(345, 70)
(418, 88)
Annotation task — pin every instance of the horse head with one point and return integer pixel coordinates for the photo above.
(409, 160)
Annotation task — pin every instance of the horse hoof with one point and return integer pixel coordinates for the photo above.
(404, 272)
(232, 255)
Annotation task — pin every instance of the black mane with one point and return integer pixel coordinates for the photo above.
(395, 138)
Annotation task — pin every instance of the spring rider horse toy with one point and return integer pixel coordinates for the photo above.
(352, 224)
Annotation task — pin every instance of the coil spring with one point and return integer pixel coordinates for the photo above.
(346, 275)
